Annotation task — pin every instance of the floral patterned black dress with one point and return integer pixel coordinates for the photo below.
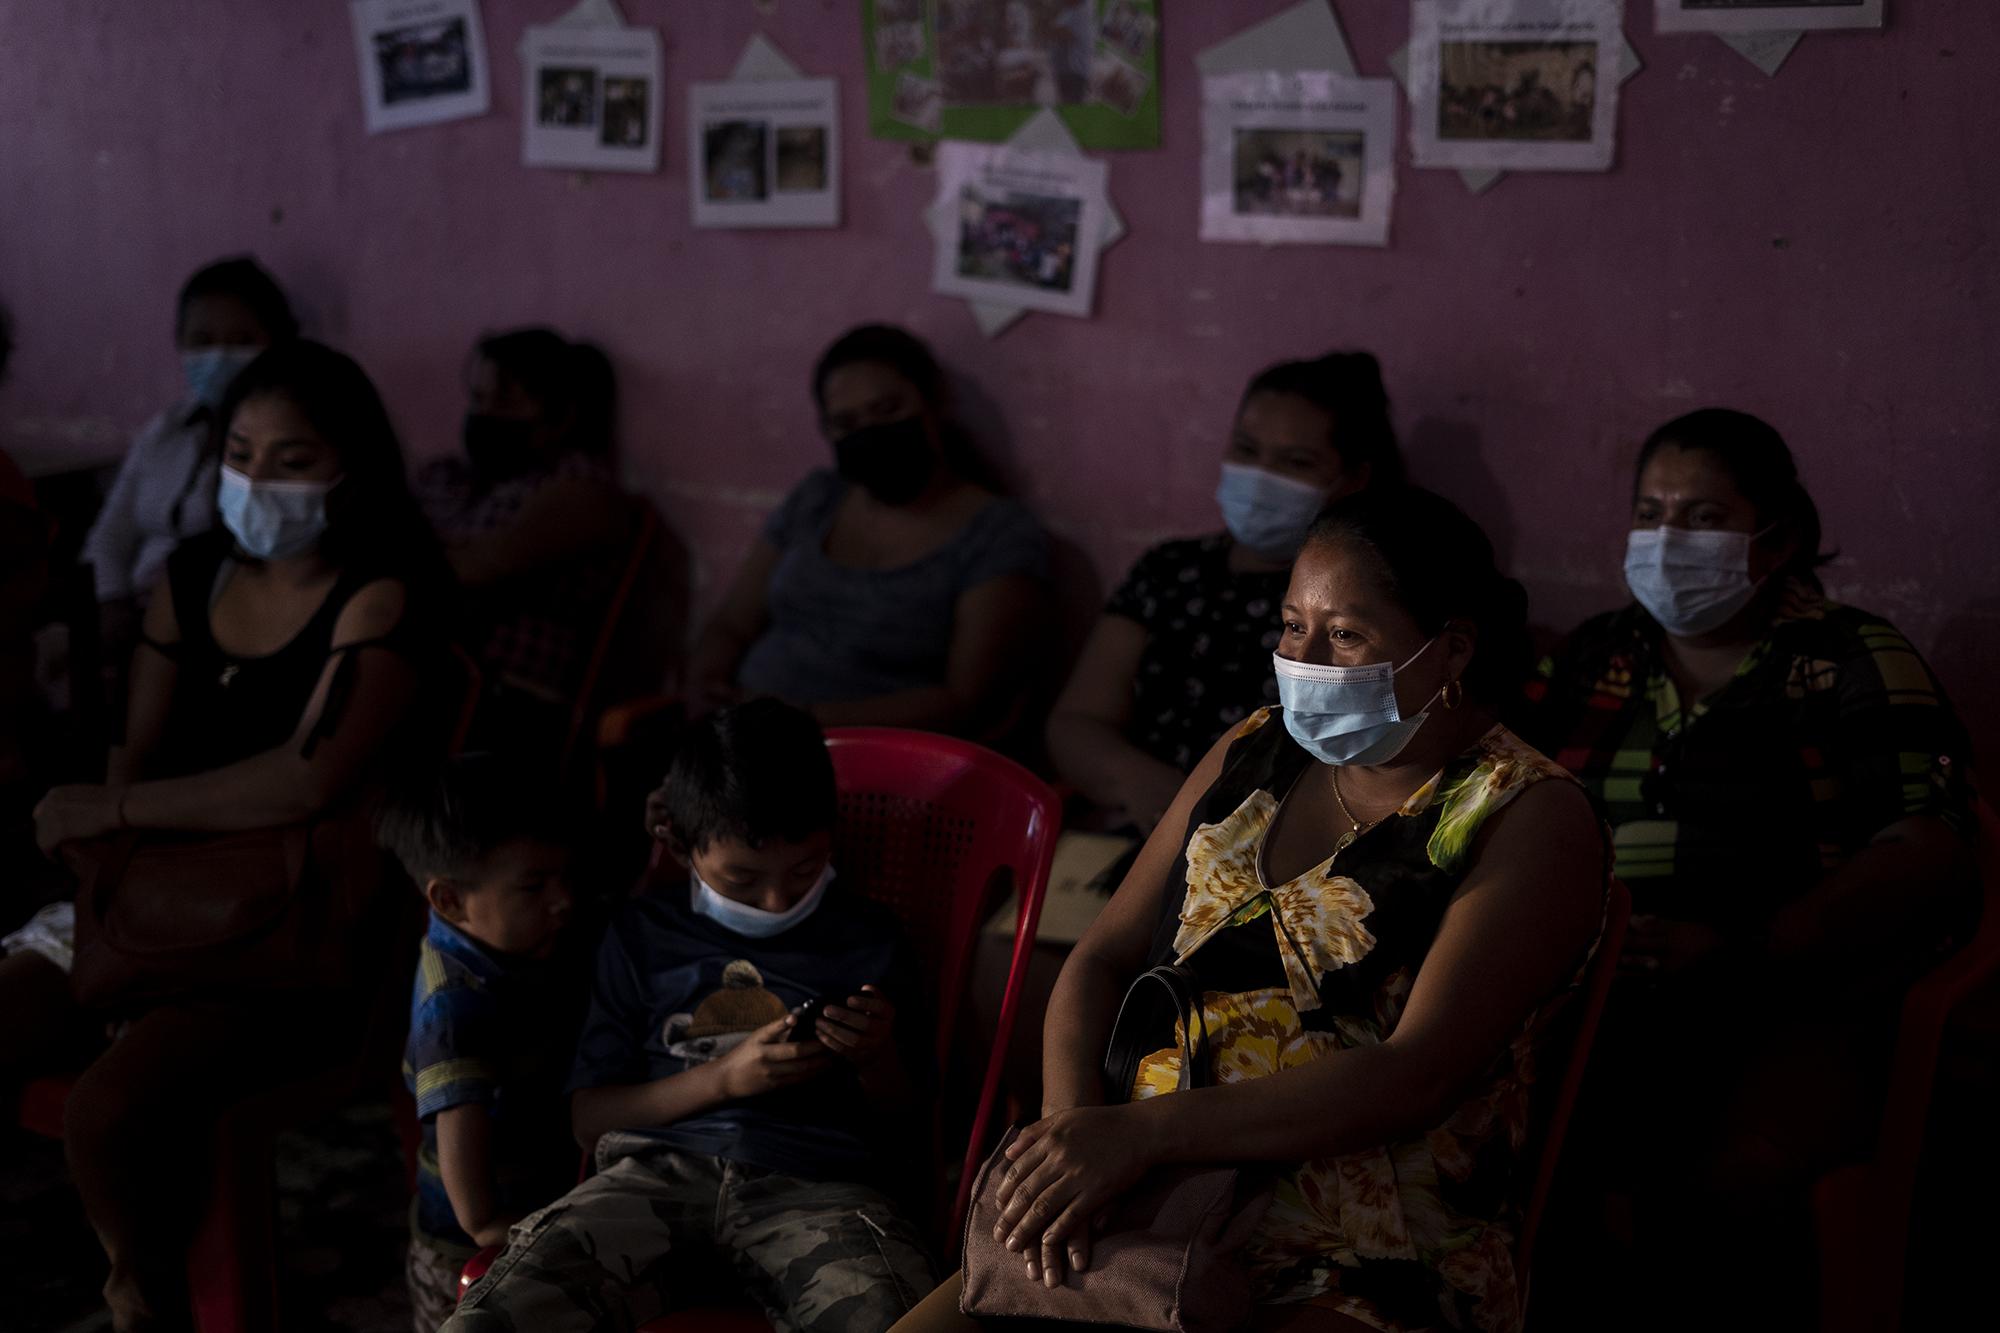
(1412, 1233)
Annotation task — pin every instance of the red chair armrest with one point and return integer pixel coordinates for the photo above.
(475, 1268)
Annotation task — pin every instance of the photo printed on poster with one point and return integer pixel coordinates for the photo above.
(591, 98)
(1025, 227)
(980, 69)
(1515, 84)
(765, 153)
(1297, 158)
(421, 62)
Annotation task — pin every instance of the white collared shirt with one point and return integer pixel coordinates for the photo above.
(164, 493)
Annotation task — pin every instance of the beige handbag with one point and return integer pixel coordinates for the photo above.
(1167, 1258)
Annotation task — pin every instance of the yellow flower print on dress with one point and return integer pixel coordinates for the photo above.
(1435, 1198)
(1252, 1034)
(1317, 915)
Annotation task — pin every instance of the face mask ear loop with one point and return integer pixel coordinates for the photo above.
(1437, 693)
(1758, 536)
(1420, 652)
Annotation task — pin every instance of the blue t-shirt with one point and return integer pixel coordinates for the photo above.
(498, 1032)
(838, 633)
(675, 990)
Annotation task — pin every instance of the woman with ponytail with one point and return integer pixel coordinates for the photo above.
(1787, 789)
(1183, 649)
(533, 523)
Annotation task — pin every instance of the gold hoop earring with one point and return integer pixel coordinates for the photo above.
(1452, 695)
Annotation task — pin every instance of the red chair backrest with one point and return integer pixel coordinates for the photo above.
(1591, 1001)
(937, 829)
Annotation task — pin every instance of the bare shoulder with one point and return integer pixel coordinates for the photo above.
(1546, 846)
(375, 609)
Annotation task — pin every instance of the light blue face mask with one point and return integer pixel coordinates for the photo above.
(1267, 513)
(1691, 581)
(1347, 715)
(272, 520)
(208, 372)
(755, 922)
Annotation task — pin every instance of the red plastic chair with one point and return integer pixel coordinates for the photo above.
(918, 811)
(1596, 993)
(1861, 1213)
(936, 829)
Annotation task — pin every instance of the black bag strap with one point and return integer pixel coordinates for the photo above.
(1170, 993)
(1158, 997)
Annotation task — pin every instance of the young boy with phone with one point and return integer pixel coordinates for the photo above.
(738, 1149)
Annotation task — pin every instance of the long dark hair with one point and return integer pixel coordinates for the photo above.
(1438, 565)
(372, 520)
(1347, 386)
(573, 381)
(244, 280)
(1761, 466)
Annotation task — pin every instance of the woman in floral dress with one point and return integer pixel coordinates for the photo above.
(1385, 896)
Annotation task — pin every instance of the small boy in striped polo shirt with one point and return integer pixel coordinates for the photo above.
(493, 1014)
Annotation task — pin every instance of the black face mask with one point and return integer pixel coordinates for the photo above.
(499, 448)
(892, 461)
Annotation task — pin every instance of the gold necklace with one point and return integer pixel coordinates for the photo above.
(1346, 839)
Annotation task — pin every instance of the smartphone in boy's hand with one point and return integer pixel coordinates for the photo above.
(858, 1026)
(805, 1019)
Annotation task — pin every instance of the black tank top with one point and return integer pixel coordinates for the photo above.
(228, 707)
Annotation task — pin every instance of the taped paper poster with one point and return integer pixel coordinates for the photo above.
(1515, 84)
(1026, 226)
(1045, 133)
(1300, 158)
(1765, 15)
(421, 61)
(591, 97)
(765, 154)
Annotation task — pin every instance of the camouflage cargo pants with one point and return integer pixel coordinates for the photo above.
(656, 1230)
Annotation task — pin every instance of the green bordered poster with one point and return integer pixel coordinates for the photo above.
(979, 69)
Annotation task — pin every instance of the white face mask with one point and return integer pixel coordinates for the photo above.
(1691, 581)
(1347, 715)
(754, 922)
(273, 520)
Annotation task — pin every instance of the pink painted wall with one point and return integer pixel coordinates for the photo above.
(1817, 248)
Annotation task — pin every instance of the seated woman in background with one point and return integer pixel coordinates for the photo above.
(1788, 794)
(274, 681)
(1384, 896)
(892, 590)
(165, 489)
(534, 524)
(1183, 650)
